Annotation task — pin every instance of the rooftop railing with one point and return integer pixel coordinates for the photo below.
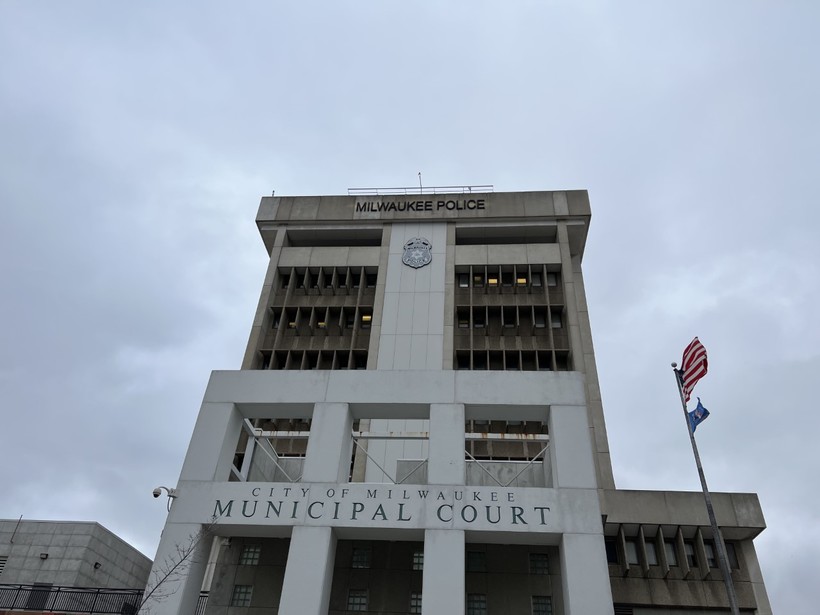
(478, 188)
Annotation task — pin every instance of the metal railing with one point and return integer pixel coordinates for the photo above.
(478, 188)
(69, 599)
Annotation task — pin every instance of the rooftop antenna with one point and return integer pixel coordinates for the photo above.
(420, 188)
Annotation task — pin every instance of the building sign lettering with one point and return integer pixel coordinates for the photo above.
(420, 206)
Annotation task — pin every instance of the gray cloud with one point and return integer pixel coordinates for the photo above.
(137, 140)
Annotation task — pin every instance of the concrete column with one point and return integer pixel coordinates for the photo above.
(309, 572)
(585, 575)
(327, 459)
(213, 444)
(570, 448)
(181, 544)
(446, 464)
(443, 577)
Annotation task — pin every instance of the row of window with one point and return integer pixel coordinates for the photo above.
(328, 278)
(509, 317)
(357, 600)
(634, 557)
(313, 359)
(475, 561)
(520, 277)
(311, 319)
(512, 360)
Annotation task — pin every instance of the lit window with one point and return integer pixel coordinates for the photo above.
(651, 553)
(689, 549)
(671, 552)
(492, 281)
(631, 552)
(542, 605)
(250, 555)
(361, 557)
(241, 595)
(478, 279)
(521, 281)
(536, 279)
(321, 324)
(418, 560)
(476, 604)
(539, 563)
(357, 600)
(291, 324)
(415, 602)
(476, 561)
(463, 280)
(366, 319)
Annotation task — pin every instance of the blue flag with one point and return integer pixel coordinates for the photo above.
(697, 416)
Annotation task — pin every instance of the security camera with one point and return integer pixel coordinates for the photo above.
(157, 492)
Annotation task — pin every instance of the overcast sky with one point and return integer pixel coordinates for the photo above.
(136, 139)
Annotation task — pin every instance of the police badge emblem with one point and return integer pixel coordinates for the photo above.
(418, 252)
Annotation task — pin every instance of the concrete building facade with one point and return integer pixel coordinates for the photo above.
(417, 427)
(68, 553)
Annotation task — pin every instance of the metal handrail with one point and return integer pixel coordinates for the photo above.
(66, 599)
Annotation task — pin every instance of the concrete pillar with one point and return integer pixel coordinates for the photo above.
(309, 572)
(443, 577)
(182, 545)
(329, 446)
(585, 575)
(446, 464)
(570, 448)
(213, 444)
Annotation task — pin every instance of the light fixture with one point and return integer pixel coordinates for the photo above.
(366, 317)
(522, 281)
(492, 281)
(321, 324)
(292, 324)
(43, 555)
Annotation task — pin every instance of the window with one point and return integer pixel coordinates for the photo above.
(539, 563)
(250, 555)
(241, 595)
(360, 558)
(536, 279)
(651, 553)
(357, 600)
(285, 280)
(476, 604)
(689, 550)
(463, 280)
(507, 278)
(542, 605)
(478, 280)
(552, 279)
(418, 560)
(476, 561)
(540, 318)
(492, 280)
(671, 552)
(556, 320)
(611, 551)
(371, 280)
(415, 602)
(521, 280)
(3, 560)
(731, 555)
(711, 558)
(366, 320)
(632, 552)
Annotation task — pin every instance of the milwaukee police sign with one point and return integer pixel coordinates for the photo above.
(420, 207)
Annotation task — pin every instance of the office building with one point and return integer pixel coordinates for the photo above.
(417, 427)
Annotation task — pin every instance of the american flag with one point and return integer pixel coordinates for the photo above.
(693, 366)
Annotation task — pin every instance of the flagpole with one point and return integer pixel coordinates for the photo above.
(720, 547)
